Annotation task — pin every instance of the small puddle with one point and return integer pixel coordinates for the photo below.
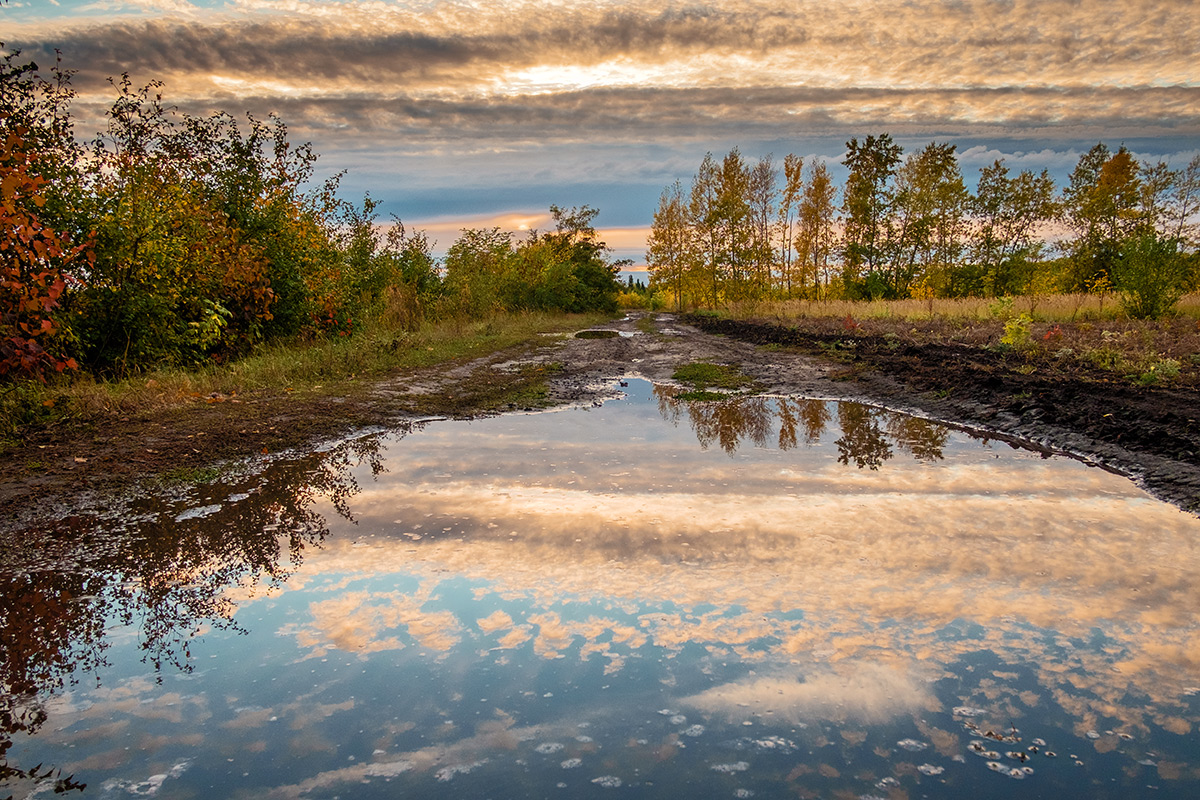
(761, 597)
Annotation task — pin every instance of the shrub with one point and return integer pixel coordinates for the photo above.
(1150, 276)
(33, 260)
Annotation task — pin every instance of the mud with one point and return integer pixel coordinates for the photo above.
(1149, 434)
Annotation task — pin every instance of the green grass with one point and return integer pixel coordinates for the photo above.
(323, 367)
(646, 323)
(705, 378)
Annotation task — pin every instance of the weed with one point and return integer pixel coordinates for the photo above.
(1001, 309)
(1018, 333)
(1105, 357)
(1161, 371)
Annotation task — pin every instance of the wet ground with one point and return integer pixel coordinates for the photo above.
(1150, 434)
(767, 596)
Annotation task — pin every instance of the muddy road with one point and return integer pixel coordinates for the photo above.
(1148, 436)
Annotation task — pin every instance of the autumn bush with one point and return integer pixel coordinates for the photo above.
(33, 261)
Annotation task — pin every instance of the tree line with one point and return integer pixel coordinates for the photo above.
(173, 239)
(909, 227)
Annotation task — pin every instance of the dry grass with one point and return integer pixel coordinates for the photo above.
(1054, 308)
(1088, 331)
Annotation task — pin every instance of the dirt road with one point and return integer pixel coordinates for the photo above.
(53, 466)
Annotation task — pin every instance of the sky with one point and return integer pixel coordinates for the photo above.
(473, 114)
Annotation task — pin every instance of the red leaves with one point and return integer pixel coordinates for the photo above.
(850, 324)
(32, 257)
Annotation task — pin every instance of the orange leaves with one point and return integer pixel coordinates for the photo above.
(32, 257)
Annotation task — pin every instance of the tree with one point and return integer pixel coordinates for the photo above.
(867, 207)
(669, 248)
(815, 234)
(1102, 204)
(733, 225)
(930, 209)
(474, 265)
(34, 259)
(1007, 214)
(704, 218)
(793, 183)
(761, 195)
(1179, 219)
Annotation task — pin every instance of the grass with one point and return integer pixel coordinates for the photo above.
(1040, 308)
(646, 323)
(1049, 333)
(329, 367)
(706, 378)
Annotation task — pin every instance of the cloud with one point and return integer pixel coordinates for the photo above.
(541, 101)
(579, 70)
(856, 691)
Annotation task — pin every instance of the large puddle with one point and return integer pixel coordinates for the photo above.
(767, 597)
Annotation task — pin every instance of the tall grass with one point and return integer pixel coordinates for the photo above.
(330, 366)
(1042, 308)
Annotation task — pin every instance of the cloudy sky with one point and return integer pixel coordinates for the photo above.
(479, 113)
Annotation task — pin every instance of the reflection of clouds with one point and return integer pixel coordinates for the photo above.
(488, 738)
(776, 557)
(855, 691)
(358, 622)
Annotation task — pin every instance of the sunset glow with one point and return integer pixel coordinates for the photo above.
(460, 111)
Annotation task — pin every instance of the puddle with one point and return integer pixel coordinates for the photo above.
(762, 597)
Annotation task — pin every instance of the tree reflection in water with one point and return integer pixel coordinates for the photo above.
(162, 562)
(868, 433)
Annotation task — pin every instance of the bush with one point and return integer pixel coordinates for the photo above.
(1150, 276)
(33, 260)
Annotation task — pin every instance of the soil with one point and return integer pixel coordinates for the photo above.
(1150, 434)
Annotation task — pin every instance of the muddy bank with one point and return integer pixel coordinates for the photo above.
(1150, 433)
(1144, 433)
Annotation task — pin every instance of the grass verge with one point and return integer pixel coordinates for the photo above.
(1060, 308)
(334, 367)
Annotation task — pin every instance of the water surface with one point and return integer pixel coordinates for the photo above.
(764, 597)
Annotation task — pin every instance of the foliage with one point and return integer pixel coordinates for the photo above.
(1150, 276)
(33, 262)
(1018, 332)
(205, 238)
(909, 227)
(563, 270)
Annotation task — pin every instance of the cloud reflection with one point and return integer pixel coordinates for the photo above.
(854, 692)
(886, 567)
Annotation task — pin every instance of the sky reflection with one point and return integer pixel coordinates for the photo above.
(711, 598)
